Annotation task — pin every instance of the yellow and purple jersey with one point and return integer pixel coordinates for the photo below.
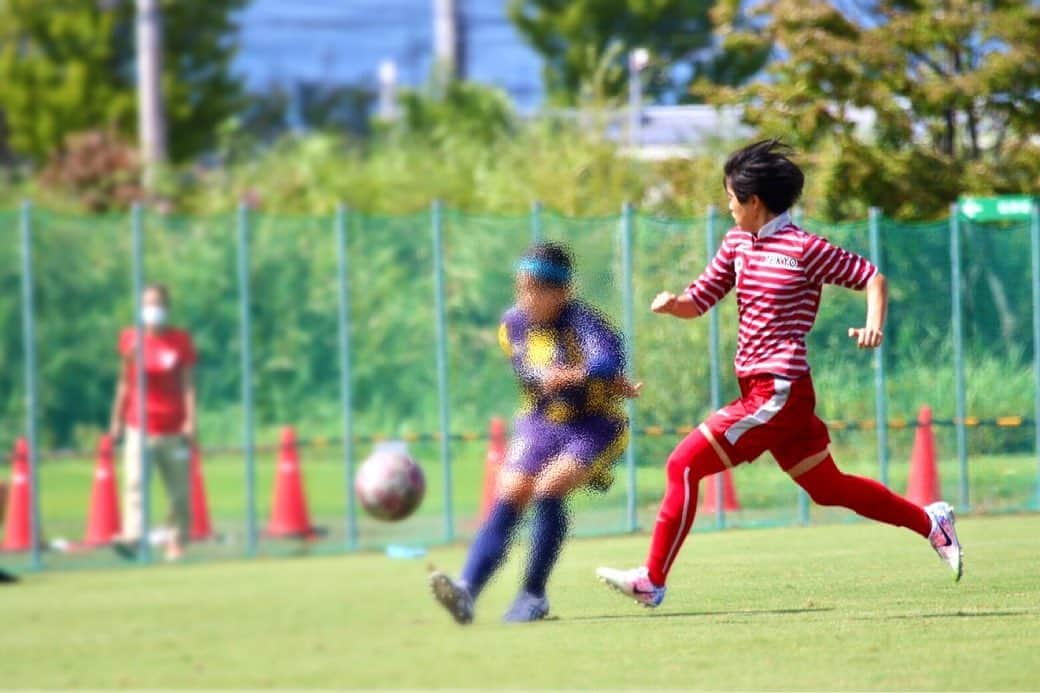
(580, 336)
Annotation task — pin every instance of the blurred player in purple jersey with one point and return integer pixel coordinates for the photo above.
(568, 433)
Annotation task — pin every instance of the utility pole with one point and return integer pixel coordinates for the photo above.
(388, 90)
(637, 62)
(150, 116)
(447, 39)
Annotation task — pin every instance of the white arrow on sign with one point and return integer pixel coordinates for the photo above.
(971, 208)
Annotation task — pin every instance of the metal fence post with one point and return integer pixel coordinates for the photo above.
(715, 365)
(1034, 246)
(29, 356)
(137, 260)
(246, 339)
(536, 222)
(343, 270)
(628, 318)
(442, 367)
(880, 391)
(958, 354)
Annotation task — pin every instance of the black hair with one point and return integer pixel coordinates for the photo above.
(555, 254)
(764, 169)
(160, 289)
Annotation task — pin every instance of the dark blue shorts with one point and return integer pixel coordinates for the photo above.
(591, 440)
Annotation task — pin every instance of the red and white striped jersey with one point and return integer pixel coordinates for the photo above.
(779, 275)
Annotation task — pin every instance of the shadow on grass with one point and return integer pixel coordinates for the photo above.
(693, 614)
(955, 614)
(791, 612)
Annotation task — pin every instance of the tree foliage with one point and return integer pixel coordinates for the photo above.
(584, 44)
(69, 65)
(463, 112)
(96, 168)
(953, 87)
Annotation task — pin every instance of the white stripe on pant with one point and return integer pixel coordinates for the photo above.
(683, 529)
(765, 413)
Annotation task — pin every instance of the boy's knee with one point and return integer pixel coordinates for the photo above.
(697, 456)
(515, 488)
(560, 477)
(677, 465)
(823, 483)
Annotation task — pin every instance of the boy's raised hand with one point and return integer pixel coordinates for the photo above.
(866, 337)
(664, 302)
(623, 387)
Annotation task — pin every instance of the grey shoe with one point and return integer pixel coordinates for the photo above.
(527, 607)
(452, 596)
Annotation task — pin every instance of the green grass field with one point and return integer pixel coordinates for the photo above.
(998, 483)
(838, 608)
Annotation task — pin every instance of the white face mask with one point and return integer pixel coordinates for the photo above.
(153, 315)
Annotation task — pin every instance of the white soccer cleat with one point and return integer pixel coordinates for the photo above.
(944, 537)
(635, 583)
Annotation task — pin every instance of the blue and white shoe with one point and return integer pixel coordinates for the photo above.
(944, 537)
(634, 583)
(527, 607)
(453, 596)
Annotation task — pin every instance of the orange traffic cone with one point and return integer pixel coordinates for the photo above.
(18, 525)
(709, 494)
(103, 523)
(289, 516)
(923, 486)
(200, 525)
(496, 457)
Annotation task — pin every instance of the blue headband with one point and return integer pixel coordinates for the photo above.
(544, 271)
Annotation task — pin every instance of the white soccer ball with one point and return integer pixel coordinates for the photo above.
(389, 484)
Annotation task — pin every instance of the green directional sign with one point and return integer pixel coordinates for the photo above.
(1002, 208)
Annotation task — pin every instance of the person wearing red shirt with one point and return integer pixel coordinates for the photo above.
(777, 271)
(169, 362)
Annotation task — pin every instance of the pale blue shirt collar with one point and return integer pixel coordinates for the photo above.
(775, 224)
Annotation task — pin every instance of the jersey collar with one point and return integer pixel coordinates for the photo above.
(778, 222)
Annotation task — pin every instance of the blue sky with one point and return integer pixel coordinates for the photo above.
(343, 42)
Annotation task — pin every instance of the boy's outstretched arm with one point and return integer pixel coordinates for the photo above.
(717, 279)
(871, 335)
(681, 306)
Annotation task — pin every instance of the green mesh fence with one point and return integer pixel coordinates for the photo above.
(597, 246)
(12, 395)
(478, 267)
(82, 276)
(998, 361)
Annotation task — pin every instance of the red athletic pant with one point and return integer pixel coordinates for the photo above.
(777, 415)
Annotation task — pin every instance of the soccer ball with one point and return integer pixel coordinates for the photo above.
(389, 484)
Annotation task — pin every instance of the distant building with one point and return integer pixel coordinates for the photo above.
(665, 132)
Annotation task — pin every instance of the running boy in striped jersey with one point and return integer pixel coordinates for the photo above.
(778, 271)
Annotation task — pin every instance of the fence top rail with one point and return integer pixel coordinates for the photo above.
(456, 213)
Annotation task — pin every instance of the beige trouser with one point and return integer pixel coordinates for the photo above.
(171, 455)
